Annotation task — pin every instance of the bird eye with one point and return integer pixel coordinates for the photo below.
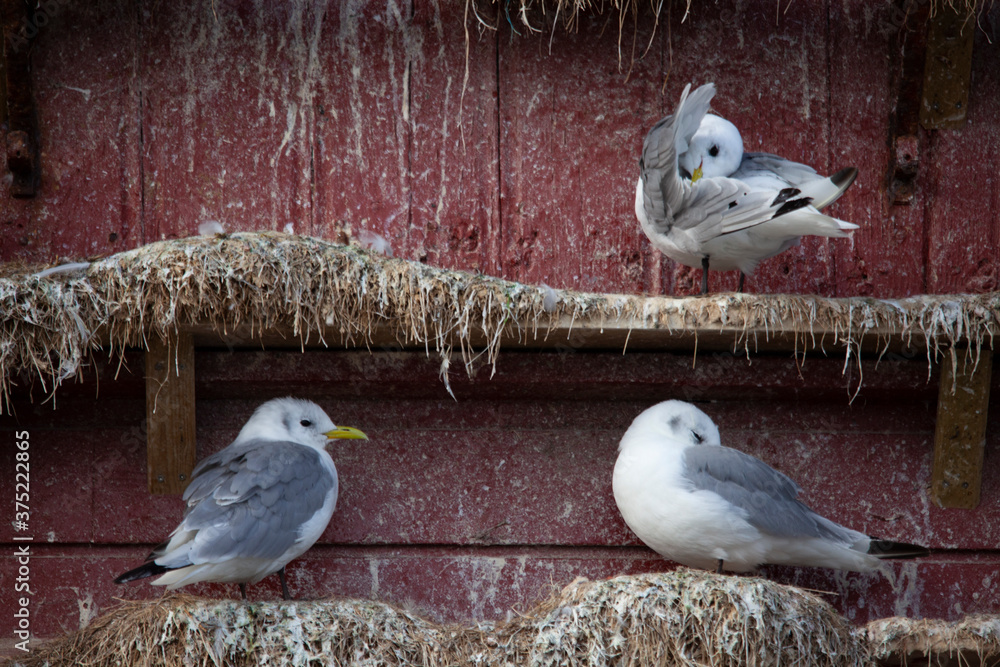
(713, 151)
(306, 423)
(698, 438)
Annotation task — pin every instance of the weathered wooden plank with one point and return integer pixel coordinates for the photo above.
(86, 92)
(170, 414)
(886, 255)
(960, 434)
(455, 206)
(963, 216)
(228, 99)
(462, 585)
(557, 376)
(571, 129)
(364, 131)
(573, 438)
(948, 70)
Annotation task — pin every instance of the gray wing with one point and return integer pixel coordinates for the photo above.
(662, 187)
(768, 497)
(717, 206)
(793, 173)
(250, 500)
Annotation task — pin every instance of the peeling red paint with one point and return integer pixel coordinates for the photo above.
(468, 509)
(346, 117)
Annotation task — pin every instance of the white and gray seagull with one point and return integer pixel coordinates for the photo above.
(713, 219)
(716, 149)
(255, 505)
(707, 506)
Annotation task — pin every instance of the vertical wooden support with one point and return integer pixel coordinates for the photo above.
(170, 436)
(948, 69)
(960, 434)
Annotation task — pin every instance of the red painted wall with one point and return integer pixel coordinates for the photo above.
(471, 508)
(346, 117)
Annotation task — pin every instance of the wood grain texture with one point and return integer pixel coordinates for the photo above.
(227, 112)
(887, 254)
(489, 583)
(963, 213)
(170, 414)
(471, 508)
(364, 132)
(453, 161)
(86, 84)
(352, 120)
(570, 133)
(960, 431)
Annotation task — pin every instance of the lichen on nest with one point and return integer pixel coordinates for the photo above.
(335, 294)
(682, 618)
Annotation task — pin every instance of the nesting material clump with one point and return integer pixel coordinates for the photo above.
(185, 630)
(686, 617)
(974, 640)
(678, 618)
(243, 286)
(568, 11)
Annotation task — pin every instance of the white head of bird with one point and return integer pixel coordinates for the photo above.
(294, 420)
(716, 149)
(673, 422)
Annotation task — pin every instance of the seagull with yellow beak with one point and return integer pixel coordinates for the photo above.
(255, 505)
(713, 219)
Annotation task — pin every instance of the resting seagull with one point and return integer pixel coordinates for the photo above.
(707, 506)
(255, 505)
(716, 220)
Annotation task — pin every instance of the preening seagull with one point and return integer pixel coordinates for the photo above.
(704, 505)
(716, 149)
(715, 220)
(255, 505)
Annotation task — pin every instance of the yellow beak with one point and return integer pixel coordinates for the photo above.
(345, 433)
(698, 173)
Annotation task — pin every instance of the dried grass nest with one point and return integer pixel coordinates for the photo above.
(51, 321)
(538, 16)
(974, 640)
(684, 618)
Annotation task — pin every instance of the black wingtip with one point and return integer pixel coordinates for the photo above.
(887, 549)
(149, 569)
(843, 178)
(793, 205)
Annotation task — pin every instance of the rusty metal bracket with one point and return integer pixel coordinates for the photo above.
(22, 128)
(909, 56)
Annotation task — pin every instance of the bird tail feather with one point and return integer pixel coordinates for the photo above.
(807, 222)
(825, 191)
(149, 569)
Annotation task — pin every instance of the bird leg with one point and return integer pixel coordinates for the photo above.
(740, 288)
(243, 590)
(704, 275)
(284, 584)
(718, 568)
